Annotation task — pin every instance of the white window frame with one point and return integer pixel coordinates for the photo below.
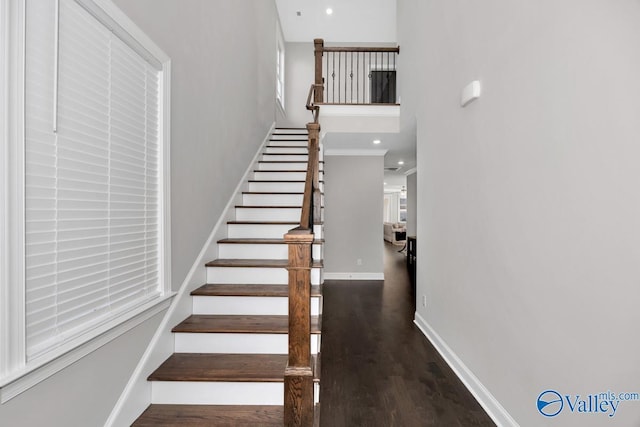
(280, 56)
(16, 374)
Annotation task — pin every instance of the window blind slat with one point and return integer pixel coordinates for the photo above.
(91, 188)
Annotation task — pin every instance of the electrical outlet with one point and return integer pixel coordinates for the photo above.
(424, 300)
(359, 261)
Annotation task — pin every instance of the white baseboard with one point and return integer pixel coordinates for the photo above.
(498, 414)
(353, 276)
(136, 396)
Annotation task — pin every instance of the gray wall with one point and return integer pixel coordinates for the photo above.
(84, 393)
(299, 74)
(529, 209)
(353, 214)
(223, 104)
(412, 204)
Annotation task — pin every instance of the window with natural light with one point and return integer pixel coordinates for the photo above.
(280, 70)
(94, 186)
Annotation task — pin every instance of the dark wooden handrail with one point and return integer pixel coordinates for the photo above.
(298, 376)
(311, 106)
(361, 49)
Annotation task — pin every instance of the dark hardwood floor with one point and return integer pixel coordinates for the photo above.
(378, 369)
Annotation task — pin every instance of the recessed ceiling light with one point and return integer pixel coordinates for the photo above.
(401, 162)
(385, 183)
(329, 11)
(376, 141)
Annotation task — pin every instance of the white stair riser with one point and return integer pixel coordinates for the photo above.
(239, 305)
(276, 187)
(264, 231)
(279, 176)
(272, 199)
(282, 176)
(266, 276)
(297, 166)
(290, 135)
(303, 158)
(289, 142)
(237, 343)
(268, 214)
(286, 150)
(295, 131)
(260, 251)
(217, 393)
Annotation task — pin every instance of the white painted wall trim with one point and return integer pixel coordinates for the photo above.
(12, 388)
(353, 152)
(137, 394)
(360, 110)
(489, 403)
(353, 276)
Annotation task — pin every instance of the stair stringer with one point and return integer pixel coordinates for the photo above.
(136, 396)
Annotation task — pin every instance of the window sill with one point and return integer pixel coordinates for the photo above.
(20, 381)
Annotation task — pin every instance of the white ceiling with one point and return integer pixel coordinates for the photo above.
(401, 146)
(355, 21)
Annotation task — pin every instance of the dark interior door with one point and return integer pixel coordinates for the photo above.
(383, 87)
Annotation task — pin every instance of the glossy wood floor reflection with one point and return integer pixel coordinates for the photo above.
(378, 369)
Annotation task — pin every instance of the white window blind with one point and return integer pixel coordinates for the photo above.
(92, 187)
(280, 68)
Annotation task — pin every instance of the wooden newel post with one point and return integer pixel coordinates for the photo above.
(318, 51)
(298, 376)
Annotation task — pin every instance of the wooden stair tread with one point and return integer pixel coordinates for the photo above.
(286, 161)
(260, 241)
(280, 180)
(239, 324)
(282, 170)
(282, 161)
(211, 415)
(265, 263)
(267, 207)
(274, 192)
(284, 146)
(271, 222)
(284, 154)
(249, 290)
(221, 367)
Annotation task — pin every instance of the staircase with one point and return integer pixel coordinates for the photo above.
(231, 353)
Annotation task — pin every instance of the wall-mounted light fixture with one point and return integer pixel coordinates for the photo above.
(470, 93)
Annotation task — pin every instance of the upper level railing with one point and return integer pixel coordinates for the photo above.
(355, 75)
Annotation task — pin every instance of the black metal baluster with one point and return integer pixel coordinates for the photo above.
(388, 81)
(339, 74)
(369, 79)
(326, 90)
(351, 77)
(357, 76)
(395, 82)
(333, 77)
